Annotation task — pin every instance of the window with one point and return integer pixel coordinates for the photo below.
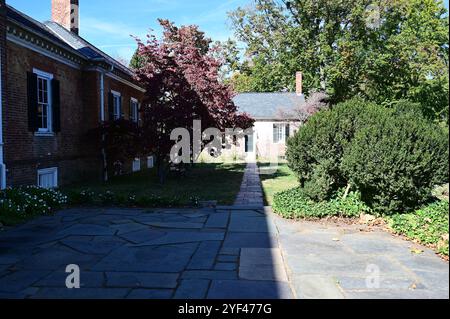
(48, 178)
(249, 143)
(117, 105)
(280, 132)
(134, 110)
(136, 165)
(44, 101)
(150, 162)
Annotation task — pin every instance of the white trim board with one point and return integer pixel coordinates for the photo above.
(118, 78)
(39, 50)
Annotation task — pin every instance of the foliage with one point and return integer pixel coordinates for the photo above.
(83, 197)
(120, 140)
(393, 156)
(397, 161)
(324, 138)
(294, 203)
(315, 102)
(428, 225)
(181, 77)
(19, 204)
(321, 186)
(348, 48)
(136, 61)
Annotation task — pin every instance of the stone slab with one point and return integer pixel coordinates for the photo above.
(57, 279)
(192, 289)
(245, 289)
(209, 274)
(316, 287)
(205, 256)
(164, 259)
(247, 240)
(217, 220)
(140, 280)
(185, 237)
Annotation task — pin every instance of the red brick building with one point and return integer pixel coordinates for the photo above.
(56, 87)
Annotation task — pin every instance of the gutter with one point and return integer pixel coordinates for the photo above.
(102, 120)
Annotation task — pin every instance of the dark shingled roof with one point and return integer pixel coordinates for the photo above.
(84, 47)
(58, 34)
(269, 106)
(32, 24)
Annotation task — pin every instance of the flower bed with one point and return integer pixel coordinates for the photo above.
(22, 203)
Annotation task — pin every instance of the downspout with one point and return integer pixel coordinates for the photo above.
(103, 119)
(2, 163)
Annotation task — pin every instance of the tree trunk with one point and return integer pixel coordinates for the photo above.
(105, 161)
(347, 190)
(161, 171)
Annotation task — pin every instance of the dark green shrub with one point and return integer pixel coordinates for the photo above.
(107, 198)
(393, 156)
(84, 197)
(323, 181)
(294, 203)
(319, 144)
(396, 161)
(428, 225)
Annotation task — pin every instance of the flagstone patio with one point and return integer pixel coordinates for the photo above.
(228, 252)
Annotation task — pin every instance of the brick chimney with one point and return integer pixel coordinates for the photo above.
(299, 83)
(66, 13)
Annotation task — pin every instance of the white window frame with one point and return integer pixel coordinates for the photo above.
(46, 171)
(282, 134)
(134, 116)
(45, 76)
(136, 165)
(117, 99)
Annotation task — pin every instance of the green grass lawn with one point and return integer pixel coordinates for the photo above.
(219, 182)
(281, 180)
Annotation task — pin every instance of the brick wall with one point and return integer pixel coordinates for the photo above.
(127, 93)
(75, 155)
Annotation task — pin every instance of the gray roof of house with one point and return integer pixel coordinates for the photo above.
(269, 106)
(81, 45)
(64, 38)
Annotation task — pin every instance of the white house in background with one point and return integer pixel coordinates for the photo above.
(275, 120)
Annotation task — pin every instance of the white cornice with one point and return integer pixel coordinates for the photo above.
(38, 49)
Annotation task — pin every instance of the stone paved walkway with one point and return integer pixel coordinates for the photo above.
(236, 252)
(327, 260)
(227, 252)
(199, 253)
(251, 191)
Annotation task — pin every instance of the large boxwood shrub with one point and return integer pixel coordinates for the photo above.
(393, 156)
(397, 161)
(315, 153)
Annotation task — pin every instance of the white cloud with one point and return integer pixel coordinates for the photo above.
(93, 26)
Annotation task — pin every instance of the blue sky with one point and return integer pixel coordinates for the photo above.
(109, 23)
